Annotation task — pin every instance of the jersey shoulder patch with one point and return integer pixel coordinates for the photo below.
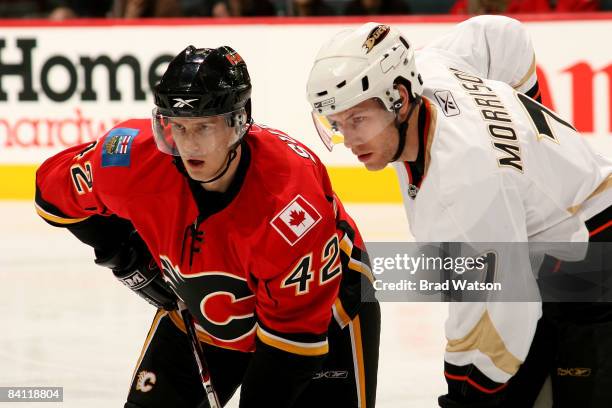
(117, 147)
(295, 220)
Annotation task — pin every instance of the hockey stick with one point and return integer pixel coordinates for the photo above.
(196, 347)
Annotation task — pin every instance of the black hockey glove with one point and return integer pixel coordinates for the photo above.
(134, 266)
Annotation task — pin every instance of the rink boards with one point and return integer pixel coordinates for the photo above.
(65, 83)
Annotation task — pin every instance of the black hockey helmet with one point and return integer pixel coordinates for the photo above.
(204, 82)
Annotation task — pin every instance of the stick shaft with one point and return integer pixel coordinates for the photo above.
(198, 353)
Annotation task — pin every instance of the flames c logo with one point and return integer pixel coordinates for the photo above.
(146, 380)
(222, 303)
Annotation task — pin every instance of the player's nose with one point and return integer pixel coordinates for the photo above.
(349, 141)
(353, 141)
(192, 146)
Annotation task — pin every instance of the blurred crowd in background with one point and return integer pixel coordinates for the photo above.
(68, 9)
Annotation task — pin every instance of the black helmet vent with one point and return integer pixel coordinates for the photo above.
(365, 83)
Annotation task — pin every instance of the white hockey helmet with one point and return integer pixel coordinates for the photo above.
(356, 65)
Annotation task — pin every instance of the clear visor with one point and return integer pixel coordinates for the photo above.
(353, 127)
(187, 136)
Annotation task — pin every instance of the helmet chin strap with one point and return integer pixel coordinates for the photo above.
(402, 129)
(231, 155)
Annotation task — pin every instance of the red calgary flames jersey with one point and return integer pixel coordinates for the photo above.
(264, 259)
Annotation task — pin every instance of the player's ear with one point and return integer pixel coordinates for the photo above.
(404, 100)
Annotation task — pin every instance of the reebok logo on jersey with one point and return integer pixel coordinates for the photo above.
(331, 374)
(447, 103)
(117, 147)
(573, 372)
(295, 220)
(181, 103)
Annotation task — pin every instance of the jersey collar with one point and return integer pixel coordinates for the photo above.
(418, 168)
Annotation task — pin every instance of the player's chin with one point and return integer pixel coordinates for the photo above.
(374, 163)
(375, 166)
(197, 175)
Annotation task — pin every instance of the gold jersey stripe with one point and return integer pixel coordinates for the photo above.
(433, 120)
(346, 246)
(57, 219)
(203, 337)
(158, 316)
(340, 313)
(361, 268)
(303, 349)
(528, 74)
(485, 338)
(606, 184)
(355, 327)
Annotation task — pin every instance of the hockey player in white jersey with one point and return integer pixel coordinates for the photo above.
(478, 160)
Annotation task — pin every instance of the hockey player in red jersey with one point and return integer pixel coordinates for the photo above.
(244, 225)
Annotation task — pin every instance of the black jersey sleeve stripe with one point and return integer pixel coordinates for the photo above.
(354, 258)
(298, 337)
(457, 376)
(356, 286)
(534, 93)
(52, 214)
(304, 344)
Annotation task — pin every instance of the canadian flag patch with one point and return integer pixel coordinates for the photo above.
(295, 220)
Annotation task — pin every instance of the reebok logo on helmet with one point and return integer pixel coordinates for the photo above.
(376, 36)
(181, 103)
(326, 102)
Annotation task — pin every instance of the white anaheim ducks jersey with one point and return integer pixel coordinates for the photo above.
(493, 47)
(498, 167)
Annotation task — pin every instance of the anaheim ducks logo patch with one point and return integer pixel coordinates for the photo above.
(145, 381)
(375, 37)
